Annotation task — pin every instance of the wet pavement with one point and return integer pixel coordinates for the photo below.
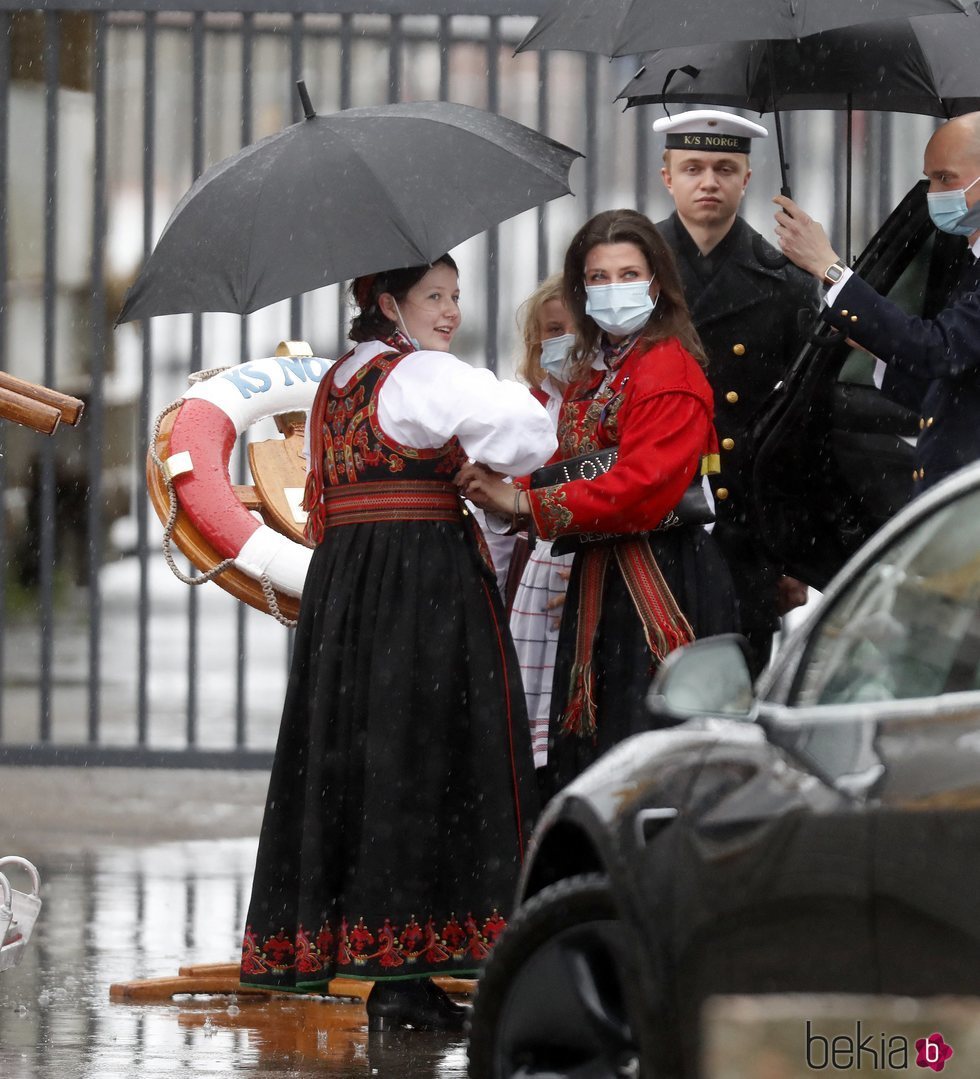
(143, 873)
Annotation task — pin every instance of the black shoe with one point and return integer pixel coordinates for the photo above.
(411, 1003)
(446, 1002)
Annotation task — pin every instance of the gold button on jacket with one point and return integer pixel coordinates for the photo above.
(731, 397)
(728, 443)
(722, 493)
(739, 350)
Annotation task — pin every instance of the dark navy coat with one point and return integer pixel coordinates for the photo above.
(933, 367)
(752, 309)
(748, 318)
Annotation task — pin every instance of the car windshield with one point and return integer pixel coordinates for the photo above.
(909, 625)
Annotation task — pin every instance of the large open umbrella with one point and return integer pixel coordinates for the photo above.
(333, 197)
(625, 27)
(925, 64)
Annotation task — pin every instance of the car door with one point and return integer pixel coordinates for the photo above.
(833, 456)
(885, 705)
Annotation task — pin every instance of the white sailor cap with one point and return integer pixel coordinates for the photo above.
(710, 130)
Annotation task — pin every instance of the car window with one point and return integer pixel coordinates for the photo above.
(909, 625)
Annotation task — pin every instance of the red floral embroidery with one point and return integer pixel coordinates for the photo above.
(392, 945)
(354, 444)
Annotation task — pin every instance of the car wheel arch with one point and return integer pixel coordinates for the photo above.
(566, 850)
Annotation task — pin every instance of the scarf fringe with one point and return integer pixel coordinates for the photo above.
(580, 715)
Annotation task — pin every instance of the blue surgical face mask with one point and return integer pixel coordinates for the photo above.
(950, 213)
(620, 308)
(554, 355)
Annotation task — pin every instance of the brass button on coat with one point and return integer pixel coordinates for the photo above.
(739, 350)
(728, 443)
(854, 318)
(731, 397)
(922, 423)
(721, 493)
(845, 313)
(930, 421)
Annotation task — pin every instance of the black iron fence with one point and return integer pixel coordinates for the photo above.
(106, 117)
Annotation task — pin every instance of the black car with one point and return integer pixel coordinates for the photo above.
(817, 833)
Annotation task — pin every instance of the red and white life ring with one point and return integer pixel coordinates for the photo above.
(211, 416)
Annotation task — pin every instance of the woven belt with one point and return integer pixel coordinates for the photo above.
(398, 500)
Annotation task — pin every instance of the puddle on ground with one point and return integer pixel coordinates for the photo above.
(120, 915)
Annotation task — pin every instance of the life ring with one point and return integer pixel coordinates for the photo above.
(213, 522)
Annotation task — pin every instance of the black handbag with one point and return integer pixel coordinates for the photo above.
(693, 508)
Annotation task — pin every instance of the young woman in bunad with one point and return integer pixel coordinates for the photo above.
(641, 590)
(402, 791)
(547, 333)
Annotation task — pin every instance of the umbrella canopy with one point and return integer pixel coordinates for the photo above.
(333, 197)
(927, 64)
(625, 27)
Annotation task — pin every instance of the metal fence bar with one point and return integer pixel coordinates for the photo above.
(196, 361)
(334, 7)
(395, 59)
(591, 133)
(543, 121)
(4, 271)
(47, 504)
(241, 611)
(103, 756)
(296, 73)
(642, 143)
(445, 44)
(95, 409)
(493, 234)
(346, 41)
(143, 426)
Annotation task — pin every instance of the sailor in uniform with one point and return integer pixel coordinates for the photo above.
(750, 306)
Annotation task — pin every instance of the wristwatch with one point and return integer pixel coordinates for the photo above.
(834, 272)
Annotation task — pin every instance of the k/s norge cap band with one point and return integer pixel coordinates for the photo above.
(710, 130)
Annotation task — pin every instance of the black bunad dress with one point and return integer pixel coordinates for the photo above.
(402, 793)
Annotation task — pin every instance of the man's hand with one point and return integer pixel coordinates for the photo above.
(802, 239)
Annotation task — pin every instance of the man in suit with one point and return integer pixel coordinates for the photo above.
(929, 365)
(746, 301)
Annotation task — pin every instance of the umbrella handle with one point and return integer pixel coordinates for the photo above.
(783, 167)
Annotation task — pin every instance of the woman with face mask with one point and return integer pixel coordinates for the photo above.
(547, 333)
(640, 590)
(402, 791)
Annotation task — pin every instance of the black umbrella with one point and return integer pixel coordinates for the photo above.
(926, 64)
(625, 27)
(333, 197)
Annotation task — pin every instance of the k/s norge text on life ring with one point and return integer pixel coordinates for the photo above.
(213, 522)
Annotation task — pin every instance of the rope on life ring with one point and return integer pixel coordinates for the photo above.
(221, 404)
